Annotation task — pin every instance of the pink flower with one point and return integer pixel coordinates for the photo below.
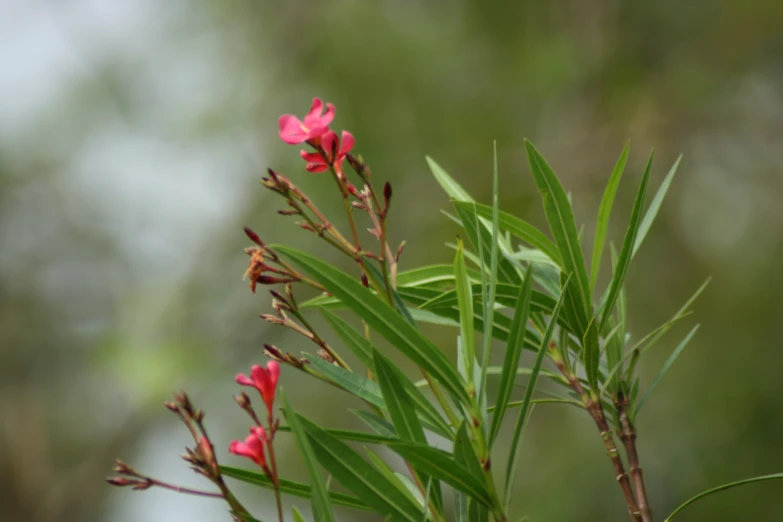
(253, 447)
(334, 152)
(315, 124)
(263, 380)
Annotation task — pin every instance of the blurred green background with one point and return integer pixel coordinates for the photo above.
(132, 139)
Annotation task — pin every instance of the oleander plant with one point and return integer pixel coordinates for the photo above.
(512, 288)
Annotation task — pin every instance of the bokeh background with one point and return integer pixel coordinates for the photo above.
(132, 139)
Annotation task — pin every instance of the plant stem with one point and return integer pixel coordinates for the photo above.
(596, 411)
(628, 436)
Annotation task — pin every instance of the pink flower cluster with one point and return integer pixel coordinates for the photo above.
(255, 445)
(330, 149)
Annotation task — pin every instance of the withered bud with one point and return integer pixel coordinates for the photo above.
(359, 205)
(243, 400)
(199, 416)
(374, 232)
(121, 467)
(253, 237)
(288, 212)
(387, 193)
(365, 281)
(184, 402)
(326, 356)
(192, 457)
(306, 226)
(399, 252)
(280, 307)
(171, 406)
(272, 318)
(289, 292)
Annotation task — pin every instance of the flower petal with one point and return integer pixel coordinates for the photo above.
(347, 143)
(312, 117)
(244, 380)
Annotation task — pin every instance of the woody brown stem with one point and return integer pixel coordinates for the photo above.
(596, 411)
(628, 436)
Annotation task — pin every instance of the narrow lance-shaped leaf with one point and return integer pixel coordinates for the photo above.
(626, 252)
(517, 437)
(604, 212)
(319, 496)
(403, 414)
(655, 206)
(665, 368)
(775, 476)
(437, 463)
(563, 227)
(465, 301)
(516, 340)
(381, 318)
(359, 477)
(352, 339)
(488, 295)
(353, 383)
(289, 487)
(517, 227)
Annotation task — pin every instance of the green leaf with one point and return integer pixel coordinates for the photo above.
(774, 476)
(516, 227)
(319, 496)
(440, 464)
(289, 487)
(523, 412)
(381, 318)
(563, 227)
(591, 353)
(447, 183)
(377, 424)
(351, 382)
(356, 436)
(297, 515)
(516, 340)
(652, 212)
(489, 290)
(359, 477)
(353, 340)
(604, 212)
(666, 366)
(429, 275)
(650, 339)
(403, 414)
(481, 238)
(393, 477)
(626, 252)
(465, 300)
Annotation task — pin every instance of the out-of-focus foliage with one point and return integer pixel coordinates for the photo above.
(132, 136)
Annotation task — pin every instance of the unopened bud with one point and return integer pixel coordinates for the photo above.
(387, 193)
(365, 281)
(171, 406)
(352, 190)
(289, 212)
(253, 236)
(274, 352)
(306, 226)
(120, 481)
